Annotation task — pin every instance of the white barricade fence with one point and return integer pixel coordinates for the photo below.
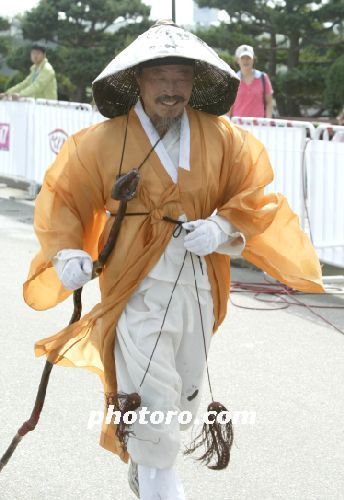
(327, 132)
(285, 141)
(51, 123)
(325, 184)
(32, 133)
(14, 129)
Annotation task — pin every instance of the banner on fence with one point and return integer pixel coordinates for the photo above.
(51, 124)
(13, 137)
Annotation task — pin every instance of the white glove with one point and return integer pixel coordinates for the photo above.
(73, 267)
(204, 238)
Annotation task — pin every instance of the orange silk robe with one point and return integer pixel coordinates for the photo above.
(229, 169)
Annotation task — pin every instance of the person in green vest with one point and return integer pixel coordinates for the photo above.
(41, 82)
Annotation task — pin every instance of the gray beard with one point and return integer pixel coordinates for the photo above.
(162, 125)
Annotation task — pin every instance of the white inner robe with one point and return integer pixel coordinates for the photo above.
(175, 375)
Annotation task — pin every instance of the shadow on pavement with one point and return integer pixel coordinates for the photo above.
(17, 210)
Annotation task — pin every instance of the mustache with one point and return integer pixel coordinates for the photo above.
(168, 98)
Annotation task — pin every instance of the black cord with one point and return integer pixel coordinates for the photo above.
(150, 152)
(203, 333)
(124, 144)
(163, 321)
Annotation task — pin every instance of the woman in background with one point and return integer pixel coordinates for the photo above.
(254, 97)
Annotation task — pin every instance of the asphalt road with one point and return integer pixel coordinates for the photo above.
(285, 367)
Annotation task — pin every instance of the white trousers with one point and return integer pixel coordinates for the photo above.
(174, 380)
(159, 484)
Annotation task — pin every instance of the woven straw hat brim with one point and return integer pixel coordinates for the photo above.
(115, 90)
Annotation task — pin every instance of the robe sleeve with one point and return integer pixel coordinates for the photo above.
(39, 86)
(20, 86)
(235, 243)
(275, 241)
(69, 214)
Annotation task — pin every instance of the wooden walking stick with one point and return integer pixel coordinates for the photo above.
(123, 190)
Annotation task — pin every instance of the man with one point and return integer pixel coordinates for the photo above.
(41, 82)
(165, 286)
(254, 96)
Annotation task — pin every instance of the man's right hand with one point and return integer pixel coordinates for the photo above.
(73, 267)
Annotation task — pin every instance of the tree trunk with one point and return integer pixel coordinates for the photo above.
(294, 50)
(273, 54)
(78, 94)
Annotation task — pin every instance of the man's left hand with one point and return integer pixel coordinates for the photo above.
(204, 238)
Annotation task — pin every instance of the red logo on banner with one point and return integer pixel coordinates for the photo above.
(56, 139)
(4, 136)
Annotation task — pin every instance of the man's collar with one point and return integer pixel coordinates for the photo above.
(184, 150)
(256, 73)
(40, 65)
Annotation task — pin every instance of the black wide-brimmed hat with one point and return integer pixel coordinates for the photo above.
(116, 90)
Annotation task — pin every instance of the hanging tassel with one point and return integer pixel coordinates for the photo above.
(123, 403)
(217, 439)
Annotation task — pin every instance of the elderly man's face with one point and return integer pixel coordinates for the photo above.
(165, 90)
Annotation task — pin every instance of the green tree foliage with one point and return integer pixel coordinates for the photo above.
(5, 47)
(4, 24)
(296, 42)
(334, 96)
(5, 39)
(85, 34)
